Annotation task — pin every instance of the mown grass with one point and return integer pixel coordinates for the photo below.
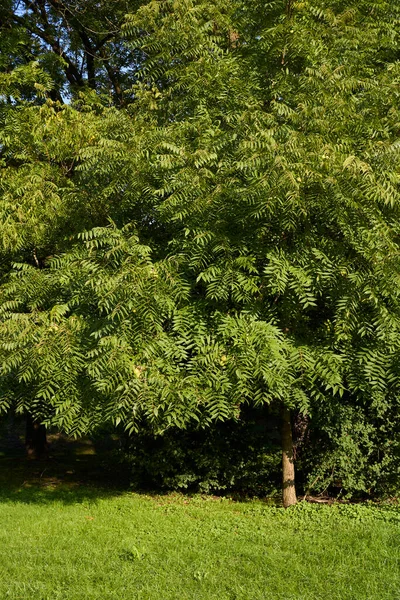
(68, 541)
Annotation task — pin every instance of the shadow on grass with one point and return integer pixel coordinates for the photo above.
(75, 471)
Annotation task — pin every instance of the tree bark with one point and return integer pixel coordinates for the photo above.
(288, 482)
(35, 438)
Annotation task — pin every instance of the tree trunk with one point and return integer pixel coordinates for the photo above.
(288, 484)
(35, 438)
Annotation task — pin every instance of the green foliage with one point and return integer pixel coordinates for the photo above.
(354, 450)
(163, 360)
(235, 456)
(229, 235)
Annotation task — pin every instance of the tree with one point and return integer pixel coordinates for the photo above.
(78, 44)
(239, 238)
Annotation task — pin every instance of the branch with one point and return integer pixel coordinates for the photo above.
(71, 70)
(113, 77)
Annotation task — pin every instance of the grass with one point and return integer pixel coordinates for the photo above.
(62, 540)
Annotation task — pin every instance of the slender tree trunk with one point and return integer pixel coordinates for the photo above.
(35, 438)
(288, 484)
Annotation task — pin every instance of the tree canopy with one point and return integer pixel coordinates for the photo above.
(200, 210)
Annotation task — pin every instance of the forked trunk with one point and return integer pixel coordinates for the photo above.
(288, 483)
(35, 438)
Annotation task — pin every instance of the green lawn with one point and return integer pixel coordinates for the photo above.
(67, 541)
